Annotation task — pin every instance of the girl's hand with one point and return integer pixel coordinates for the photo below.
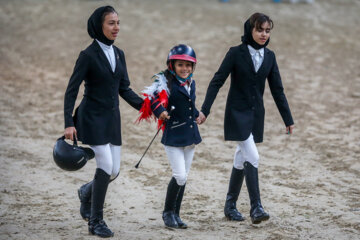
(70, 132)
(201, 118)
(289, 129)
(164, 115)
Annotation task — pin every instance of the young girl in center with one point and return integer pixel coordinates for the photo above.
(171, 98)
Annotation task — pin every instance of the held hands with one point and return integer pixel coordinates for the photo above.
(289, 129)
(201, 118)
(164, 116)
(70, 132)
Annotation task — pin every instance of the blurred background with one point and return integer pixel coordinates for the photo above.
(309, 181)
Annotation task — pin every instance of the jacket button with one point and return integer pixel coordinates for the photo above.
(112, 97)
(189, 108)
(190, 117)
(189, 100)
(253, 108)
(253, 97)
(191, 126)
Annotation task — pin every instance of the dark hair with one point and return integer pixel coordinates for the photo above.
(170, 78)
(107, 10)
(257, 19)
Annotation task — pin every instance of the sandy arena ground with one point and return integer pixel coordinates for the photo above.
(310, 181)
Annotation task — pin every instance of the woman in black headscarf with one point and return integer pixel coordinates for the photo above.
(97, 119)
(250, 64)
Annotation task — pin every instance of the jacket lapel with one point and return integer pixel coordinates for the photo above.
(117, 61)
(265, 61)
(102, 56)
(192, 90)
(181, 88)
(246, 55)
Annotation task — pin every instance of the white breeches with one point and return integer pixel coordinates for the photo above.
(108, 158)
(246, 151)
(180, 159)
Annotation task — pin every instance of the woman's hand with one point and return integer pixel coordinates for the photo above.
(164, 116)
(201, 118)
(70, 132)
(289, 129)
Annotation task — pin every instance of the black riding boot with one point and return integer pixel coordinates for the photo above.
(84, 193)
(170, 201)
(180, 223)
(97, 225)
(236, 180)
(257, 212)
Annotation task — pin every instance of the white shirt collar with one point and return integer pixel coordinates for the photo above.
(253, 51)
(104, 46)
(189, 80)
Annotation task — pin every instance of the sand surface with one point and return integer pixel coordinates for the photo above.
(310, 181)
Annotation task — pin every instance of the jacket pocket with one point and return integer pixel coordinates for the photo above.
(178, 125)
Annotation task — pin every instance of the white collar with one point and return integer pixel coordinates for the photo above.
(189, 81)
(104, 46)
(253, 51)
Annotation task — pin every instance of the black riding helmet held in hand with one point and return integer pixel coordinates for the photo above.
(71, 157)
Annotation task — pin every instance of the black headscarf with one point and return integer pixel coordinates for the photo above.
(248, 39)
(94, 26)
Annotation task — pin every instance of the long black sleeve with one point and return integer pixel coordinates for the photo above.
(78, 75)
(218, 81)
(277, 91)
